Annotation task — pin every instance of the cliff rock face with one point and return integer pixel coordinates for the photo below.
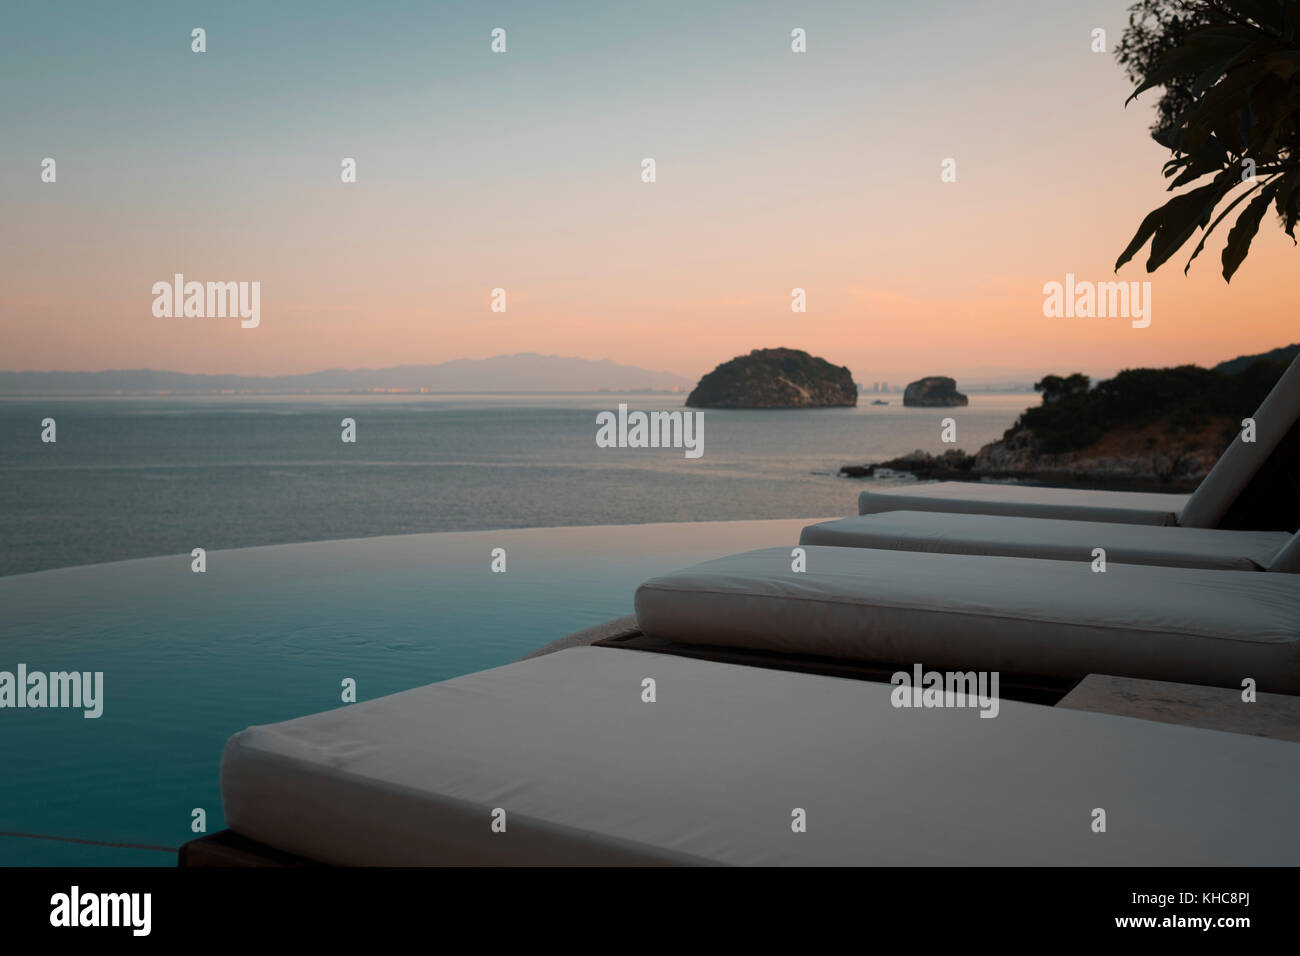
(934, 391)
(1155, 456)
(775, 378)
(1151, 455)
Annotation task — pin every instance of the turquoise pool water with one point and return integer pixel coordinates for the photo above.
(270, 633)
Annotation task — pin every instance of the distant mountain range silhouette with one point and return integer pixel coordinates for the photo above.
(523, 372)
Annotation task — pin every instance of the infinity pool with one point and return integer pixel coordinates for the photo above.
(271, 633)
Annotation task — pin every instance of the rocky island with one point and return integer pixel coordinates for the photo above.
(1143, 429)
(775, 378)
(934, 391)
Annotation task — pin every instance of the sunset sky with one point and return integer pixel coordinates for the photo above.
(522, 170)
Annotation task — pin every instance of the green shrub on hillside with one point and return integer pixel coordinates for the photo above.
(1074, 415)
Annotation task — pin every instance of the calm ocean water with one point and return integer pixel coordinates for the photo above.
(134, 477)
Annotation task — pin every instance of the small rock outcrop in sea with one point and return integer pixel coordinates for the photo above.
(934, 391)
(952, 464)
(775, 378)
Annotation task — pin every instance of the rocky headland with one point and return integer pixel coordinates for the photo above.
(775, 378)
(1143, 429)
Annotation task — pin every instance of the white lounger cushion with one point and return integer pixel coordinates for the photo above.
(1051, 538)
(1288, 559)
(1028, 501)
(711, 772)
(1048, 618)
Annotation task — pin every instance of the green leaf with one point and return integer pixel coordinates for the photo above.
(1146, 230)
(1211, 158)
(1182, 215)
(1267, 13)
(1288, 202)
(1201, 51)
(1172, 224)
(1231, 206)
(1284, 64)
(1243, 231)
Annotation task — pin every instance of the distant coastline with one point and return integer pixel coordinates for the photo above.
(326, 393)
(524, 372)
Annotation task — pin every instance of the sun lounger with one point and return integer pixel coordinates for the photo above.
(1057, 619)
(1052, 538)
(1214, 504)
(985, 498)
(716, 770)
